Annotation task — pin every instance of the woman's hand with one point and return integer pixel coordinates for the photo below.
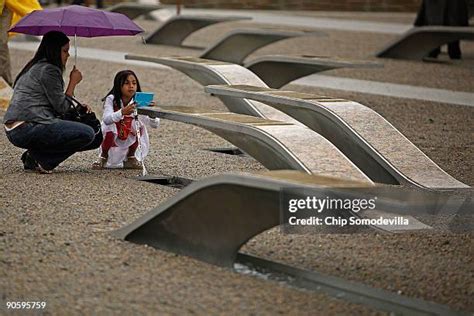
(87, 106)
(152, 103)
(129, 109)
(75, 76)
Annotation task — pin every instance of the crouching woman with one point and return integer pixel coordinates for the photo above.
(33, 118)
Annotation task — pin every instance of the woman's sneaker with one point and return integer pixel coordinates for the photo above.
(30, 164)
(40, 169)
(132, 163)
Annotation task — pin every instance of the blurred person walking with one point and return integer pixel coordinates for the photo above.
(5, 21)
(10, 12)
(446, 13)
(99, 3)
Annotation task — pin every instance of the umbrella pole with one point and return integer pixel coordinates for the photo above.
(75, 50)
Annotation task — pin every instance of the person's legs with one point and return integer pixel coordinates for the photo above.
(96, 142)
(51, 144)
(132, 149)
(132, 162)
(454, 50)
(5, 68)
(107, 143)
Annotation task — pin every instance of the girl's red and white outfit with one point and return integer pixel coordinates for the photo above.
(118, 147)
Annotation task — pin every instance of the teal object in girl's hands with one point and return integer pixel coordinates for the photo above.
(143, 98)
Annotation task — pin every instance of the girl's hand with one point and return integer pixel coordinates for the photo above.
(152, 103)
(129, 109)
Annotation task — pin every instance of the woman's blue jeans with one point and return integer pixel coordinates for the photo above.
(51, 144)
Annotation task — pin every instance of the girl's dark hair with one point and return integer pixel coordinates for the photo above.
(119, 81)
(49, 49)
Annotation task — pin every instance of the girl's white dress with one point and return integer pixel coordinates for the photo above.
(118, 153)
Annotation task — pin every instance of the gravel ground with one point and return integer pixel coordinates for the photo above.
(55, 244)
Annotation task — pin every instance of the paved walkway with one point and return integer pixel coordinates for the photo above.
(277, 17)
(90, 53)
(388, 89)
(322, 81)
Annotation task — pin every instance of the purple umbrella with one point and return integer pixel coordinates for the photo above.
(78, 21)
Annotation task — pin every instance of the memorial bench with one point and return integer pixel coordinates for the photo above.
(208, 72)
(278, 70)
(363, 135)
(133, 9)
(212, 218)
(236, 45)
(367, 145)
(275, 144)
(416, 43)
(272, 70)
(175, 30)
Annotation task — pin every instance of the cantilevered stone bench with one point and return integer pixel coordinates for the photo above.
(364, 136)
(133, 9)
(176, 29)
(212, 218)
(208, 72)
(275, 144)
(278, 70)
(236, 45)
(212, 72)
(419, 41)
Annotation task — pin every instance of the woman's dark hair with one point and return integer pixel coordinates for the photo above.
(119, 81)
(49, 49)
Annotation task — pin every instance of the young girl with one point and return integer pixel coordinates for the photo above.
(119, 148)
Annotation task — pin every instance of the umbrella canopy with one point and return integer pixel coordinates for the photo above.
(76, 20)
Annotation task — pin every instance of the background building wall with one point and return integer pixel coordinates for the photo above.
(323, 5)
